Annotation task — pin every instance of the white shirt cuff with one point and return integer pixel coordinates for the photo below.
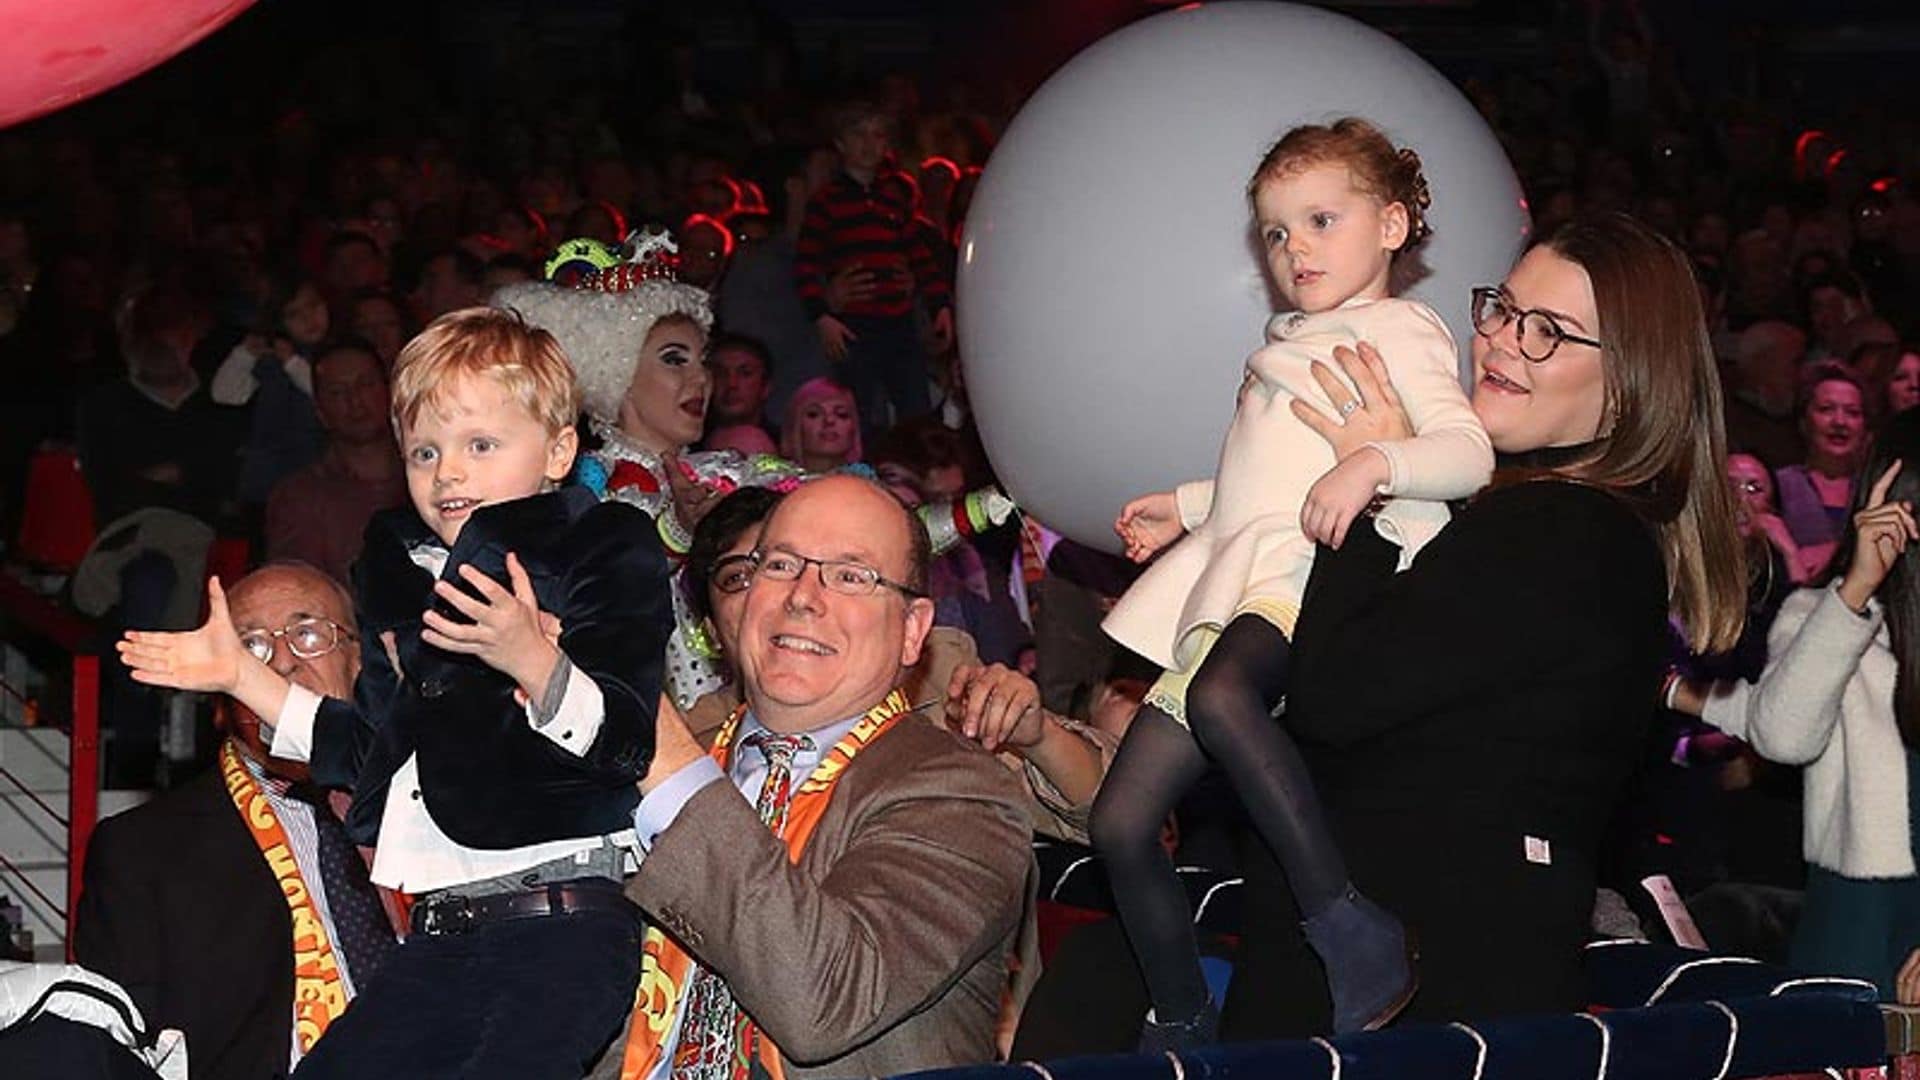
(660, 807)
(292, 736)
(301, 372)
(233, 383)
(1195, 501)
(1396, 471)
(576, 723)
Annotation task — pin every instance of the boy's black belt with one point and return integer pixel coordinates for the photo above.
(453, 914)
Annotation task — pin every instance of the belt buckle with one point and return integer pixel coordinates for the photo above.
(450, 915)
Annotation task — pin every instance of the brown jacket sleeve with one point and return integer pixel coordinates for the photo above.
(915, 873)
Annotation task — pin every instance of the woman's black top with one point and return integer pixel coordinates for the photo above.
(1470, 724)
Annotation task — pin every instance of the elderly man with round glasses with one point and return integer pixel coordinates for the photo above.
(234, 907)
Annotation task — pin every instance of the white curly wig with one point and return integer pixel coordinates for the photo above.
(602, 332)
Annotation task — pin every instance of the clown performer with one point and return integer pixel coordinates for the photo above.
(637, 338)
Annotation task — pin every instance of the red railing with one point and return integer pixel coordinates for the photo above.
(34, 615)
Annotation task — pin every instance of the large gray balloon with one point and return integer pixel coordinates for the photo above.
(1110, 289)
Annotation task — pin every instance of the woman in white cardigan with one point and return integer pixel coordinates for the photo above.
(1840, 695)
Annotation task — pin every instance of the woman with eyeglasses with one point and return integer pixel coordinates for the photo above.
(1770, 543)
(1471, 721)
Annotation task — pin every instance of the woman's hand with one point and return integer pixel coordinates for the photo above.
(507, 631)
(995, 706)
(1684, 695)
(691, 498)
(1148, 524)
(1906, 985)
(1882, 531)
(207, 660)
(1376, 415)
(853, 284)
(1774, 530)
(834, 336)
(674, 745)
(1340, 495)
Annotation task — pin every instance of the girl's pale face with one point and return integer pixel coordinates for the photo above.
(1326, 241)
(827, 426)
(1903, 386)
(666, 404)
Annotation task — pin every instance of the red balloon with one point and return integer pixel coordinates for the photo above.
(58, 52)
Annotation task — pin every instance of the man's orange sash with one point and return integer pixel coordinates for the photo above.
(319, 992)
(665, 967)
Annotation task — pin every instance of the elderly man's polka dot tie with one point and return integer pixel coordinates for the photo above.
(359, 922)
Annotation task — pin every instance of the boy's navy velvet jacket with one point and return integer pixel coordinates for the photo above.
(489, 779)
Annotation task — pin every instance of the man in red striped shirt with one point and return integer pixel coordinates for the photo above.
(857, 220)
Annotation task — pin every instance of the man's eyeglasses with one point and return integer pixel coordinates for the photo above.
(845, 577)
(1749, 487)
(308, 639)
(1540, 333)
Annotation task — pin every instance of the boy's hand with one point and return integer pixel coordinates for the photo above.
(208, 659)
(834, 336)
(507, 632)
(1339, 496)
(1148, 524)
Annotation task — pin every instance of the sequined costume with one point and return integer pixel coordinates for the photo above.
(638, 476)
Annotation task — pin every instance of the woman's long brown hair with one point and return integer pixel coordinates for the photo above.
(1665, 451)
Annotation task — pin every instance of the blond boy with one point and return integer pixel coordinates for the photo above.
(492, 761)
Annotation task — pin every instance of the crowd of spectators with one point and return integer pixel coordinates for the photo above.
(205, 314)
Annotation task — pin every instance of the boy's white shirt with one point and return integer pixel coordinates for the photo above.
(412, 854)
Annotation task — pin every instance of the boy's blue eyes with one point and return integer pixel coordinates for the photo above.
(425, 455)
